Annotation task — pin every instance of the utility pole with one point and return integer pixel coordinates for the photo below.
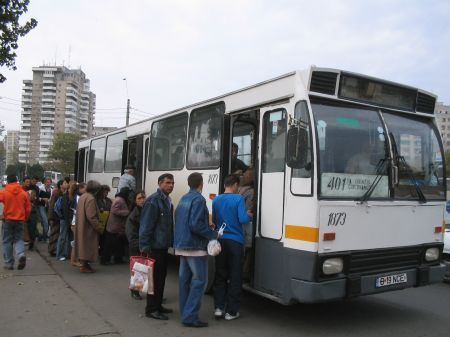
(128, 112)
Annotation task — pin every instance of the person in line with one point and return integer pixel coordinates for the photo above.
(132, 231)
(155, 237)
(237, 165)
(26, 187)
(87, 227)
(115, 239)
(192, 234)
(34, 184)
(65, 215)
(229, 208)
(26, 182)
(45, 192)
(73, 257)
(16, 209)
(32, 219)
(127, 179)
(53, 219)
(104, 204)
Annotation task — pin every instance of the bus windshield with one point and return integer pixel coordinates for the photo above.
(354, 150)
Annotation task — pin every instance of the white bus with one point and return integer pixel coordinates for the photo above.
(55, 176)
(350, 196)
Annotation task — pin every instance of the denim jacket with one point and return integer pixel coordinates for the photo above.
(156, 229)
(191, 223)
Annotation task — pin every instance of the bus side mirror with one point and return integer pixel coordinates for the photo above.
(297, 147)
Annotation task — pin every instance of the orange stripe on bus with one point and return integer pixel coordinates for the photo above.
(309, 234)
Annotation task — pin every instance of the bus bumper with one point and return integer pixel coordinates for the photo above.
(312, 292)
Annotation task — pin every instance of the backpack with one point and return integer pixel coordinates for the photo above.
(58, 209)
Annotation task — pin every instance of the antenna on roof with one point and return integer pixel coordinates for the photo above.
(70, 51)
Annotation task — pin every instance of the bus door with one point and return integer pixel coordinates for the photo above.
(80, 167)
(272, 171)
(135, 157)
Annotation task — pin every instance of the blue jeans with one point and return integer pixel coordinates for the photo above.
(62, 246)
(193, 280)
(44, 221)
(12, 232)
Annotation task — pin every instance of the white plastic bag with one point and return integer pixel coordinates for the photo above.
(214, 247)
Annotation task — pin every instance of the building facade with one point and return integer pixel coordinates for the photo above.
(442, 113)
(100, 130)
(56, 100)
(12, 147)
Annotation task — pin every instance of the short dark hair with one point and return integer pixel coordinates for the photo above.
(92, 186)
(11, 178)
(35, 178)
(231, 180)
(67, 179)
(130, 167)
(195, 180)
(164, 176)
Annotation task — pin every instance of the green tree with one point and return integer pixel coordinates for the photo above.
(11, 30)
(17, 169)
(63, 152)
(36, 170)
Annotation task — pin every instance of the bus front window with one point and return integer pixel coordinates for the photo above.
(417, 155)
(352, 150)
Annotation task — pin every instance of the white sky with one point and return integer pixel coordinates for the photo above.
(177, 52)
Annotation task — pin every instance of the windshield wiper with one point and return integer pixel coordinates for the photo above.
(379, 170)
(419, 192)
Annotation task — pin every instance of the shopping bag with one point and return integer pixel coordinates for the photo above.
(103, 219)
(141, 274)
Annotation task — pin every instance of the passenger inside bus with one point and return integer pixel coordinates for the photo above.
(237, 165)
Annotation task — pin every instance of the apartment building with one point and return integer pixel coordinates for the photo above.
(442, 113)
(12, 146)
(56, 100)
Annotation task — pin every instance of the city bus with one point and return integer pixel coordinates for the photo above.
(349, 186)
(53, 175)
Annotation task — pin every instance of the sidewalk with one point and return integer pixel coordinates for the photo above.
(37, 302)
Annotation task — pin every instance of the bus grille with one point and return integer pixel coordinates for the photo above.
(323, 82)
(384, 260)
(425, 103)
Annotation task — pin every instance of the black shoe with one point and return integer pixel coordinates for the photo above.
(165, 310)
(157, 315)
(136, 295)
(22, 262)
(197, 324)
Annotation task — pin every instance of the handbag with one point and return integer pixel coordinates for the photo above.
(141, 274)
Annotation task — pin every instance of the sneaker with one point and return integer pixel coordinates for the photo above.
(22, 262)
(62, 259)
(218, 313)
(230, 317)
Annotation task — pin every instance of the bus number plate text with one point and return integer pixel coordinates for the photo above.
(390, 280)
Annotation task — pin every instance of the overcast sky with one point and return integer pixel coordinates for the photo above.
(174, 53)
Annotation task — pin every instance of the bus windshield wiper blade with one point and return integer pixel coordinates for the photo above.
(380, 170)
(419, 192)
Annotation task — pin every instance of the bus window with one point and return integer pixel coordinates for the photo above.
(96, 155)
(132, 152)
(204, 147)
(168, 143)
(274, 141)
(114, 149)
(302, 116)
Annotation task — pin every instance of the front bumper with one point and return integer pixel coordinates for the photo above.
(312, 292)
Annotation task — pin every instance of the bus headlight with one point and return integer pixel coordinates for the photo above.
(332, 266)
(431, 254)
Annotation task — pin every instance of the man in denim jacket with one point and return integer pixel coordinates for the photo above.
(192, 233)
(155, 237)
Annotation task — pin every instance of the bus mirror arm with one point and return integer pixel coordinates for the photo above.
(394, 175)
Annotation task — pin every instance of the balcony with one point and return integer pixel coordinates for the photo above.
(48, 81)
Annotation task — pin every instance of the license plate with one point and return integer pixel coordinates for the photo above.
(390, 280)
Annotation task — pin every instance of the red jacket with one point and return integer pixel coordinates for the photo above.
(17, 205)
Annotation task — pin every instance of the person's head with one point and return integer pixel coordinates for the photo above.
(26, 182)
(34, 180)
(234, 151)
(231, 183)
(81, 188)
(166, 183)
(47, 181)
(105, 191)
(64, 185)
(247, 178)
(11, 178)
(73, 187)
(32, 194)
(139, 198)
(92, 186)
(130, 169)
(195, 181)
(124, 193)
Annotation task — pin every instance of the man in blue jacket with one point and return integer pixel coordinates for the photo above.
(229, 208)
(155, 237)
(192, 234)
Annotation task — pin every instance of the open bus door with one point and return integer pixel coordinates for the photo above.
(134, 150)
(80, 165)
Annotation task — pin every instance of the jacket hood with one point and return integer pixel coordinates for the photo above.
(14, 188)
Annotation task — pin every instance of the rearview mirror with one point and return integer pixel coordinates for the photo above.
(297, 150)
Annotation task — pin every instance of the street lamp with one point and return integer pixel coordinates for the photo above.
(128, 103)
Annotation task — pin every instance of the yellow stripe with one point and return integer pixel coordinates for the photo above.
(309, 234)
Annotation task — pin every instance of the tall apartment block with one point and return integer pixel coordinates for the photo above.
(442, 113)
(56, 100)
(12, 146)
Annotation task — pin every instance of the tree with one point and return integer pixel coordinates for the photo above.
(63, 151)
(17, 169)
(36, 170)
(11, 30)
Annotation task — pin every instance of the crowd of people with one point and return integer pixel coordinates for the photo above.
(80, 223)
